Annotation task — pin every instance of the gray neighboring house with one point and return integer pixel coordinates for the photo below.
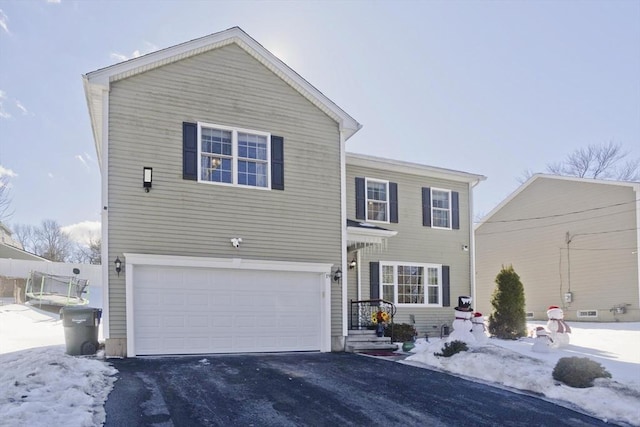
(574, 244)
(230, 202)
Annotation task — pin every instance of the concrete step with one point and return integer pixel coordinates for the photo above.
(355, 347)
(365, 338)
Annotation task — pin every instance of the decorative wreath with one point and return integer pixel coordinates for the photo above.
(379, 316)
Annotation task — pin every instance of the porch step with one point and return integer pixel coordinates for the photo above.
(367, 340)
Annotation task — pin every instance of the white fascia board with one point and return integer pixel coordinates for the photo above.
(354, 232)
(227, 263)
(400, 166)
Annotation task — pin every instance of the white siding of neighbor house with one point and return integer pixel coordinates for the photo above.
(228, 87)
(416, 243)
(604, 270)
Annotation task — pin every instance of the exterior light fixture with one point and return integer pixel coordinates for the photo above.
(118, 264)
(353, 264)
(337, 275)
(147, 178)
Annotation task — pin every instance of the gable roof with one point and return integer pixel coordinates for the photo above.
(364, 160)
(11, 252)
(96, 83)
(538, 176)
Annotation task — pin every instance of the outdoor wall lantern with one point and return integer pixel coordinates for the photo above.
(353, 264)
(147, 177)
(118, 264)
(337, 275)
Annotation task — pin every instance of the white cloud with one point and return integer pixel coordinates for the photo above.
(54, 1)
(83, 161)
(7, 172)
(3, 96)
(21, 107)
(3, 22)
(84, 231)
(149, 47)
(50, 175)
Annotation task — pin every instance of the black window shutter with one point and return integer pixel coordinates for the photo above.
(455, 211)
(426, 206)
(393, 202)
(374, 280)
(277, 162)
(360, 199)
(190, 151)
(446, 288)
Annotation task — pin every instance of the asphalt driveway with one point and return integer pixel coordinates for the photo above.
(314, 389)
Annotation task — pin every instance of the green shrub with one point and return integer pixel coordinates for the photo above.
(508, 319)
(401, 332)
(578, 372)
(451, 348)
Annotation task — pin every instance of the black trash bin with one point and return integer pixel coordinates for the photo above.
(81, 329)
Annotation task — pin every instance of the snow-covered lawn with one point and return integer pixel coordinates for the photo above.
(616, 346)
(41, 386)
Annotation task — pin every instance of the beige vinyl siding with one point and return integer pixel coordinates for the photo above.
(416, 243)
(604, 270)
(227, 87)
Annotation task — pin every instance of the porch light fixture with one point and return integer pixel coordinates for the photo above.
(353, 264)
(147, 178)
(337, 275)
(118, 264)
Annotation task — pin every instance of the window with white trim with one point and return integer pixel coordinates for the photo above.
(440, 208)
(233, 156)
(377, 200)
(411, 284)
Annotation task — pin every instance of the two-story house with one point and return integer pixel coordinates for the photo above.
(226, 201)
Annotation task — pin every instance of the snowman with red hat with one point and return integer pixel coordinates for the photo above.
(461, 326)
(559, 330)
(478, 328)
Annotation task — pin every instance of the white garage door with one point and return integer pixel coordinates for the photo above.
(181, 310)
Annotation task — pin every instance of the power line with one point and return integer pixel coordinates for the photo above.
(558, 215)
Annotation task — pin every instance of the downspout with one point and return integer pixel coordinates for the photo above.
(343, 224)
(472, 244)
(104, 256)
(637, 197)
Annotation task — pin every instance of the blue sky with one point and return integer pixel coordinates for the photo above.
(493, 88)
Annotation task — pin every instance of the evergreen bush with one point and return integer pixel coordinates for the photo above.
(451, 348)
(508, 319)
(578, 372)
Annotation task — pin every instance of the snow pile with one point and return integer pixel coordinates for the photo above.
(42, 386)
(513, 364)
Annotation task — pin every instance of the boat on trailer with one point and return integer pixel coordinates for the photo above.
(51, 289)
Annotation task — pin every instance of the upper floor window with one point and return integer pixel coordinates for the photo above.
(233, 156)
(408, 283)
(377, 200)
(440, 208)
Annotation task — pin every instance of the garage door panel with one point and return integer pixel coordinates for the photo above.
(188, 311)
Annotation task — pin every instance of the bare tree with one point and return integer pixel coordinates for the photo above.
(91, 254)
(26, 235)
(604, 161)
(598, 161)
(53, 243)
(5, 199)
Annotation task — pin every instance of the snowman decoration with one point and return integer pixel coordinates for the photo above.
(559, 329)
(542, 341)
(461, 326)
(478, 329)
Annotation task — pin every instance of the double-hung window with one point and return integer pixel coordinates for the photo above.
(440, 208)
(233, 156)
(377, 200)
(411, 284)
